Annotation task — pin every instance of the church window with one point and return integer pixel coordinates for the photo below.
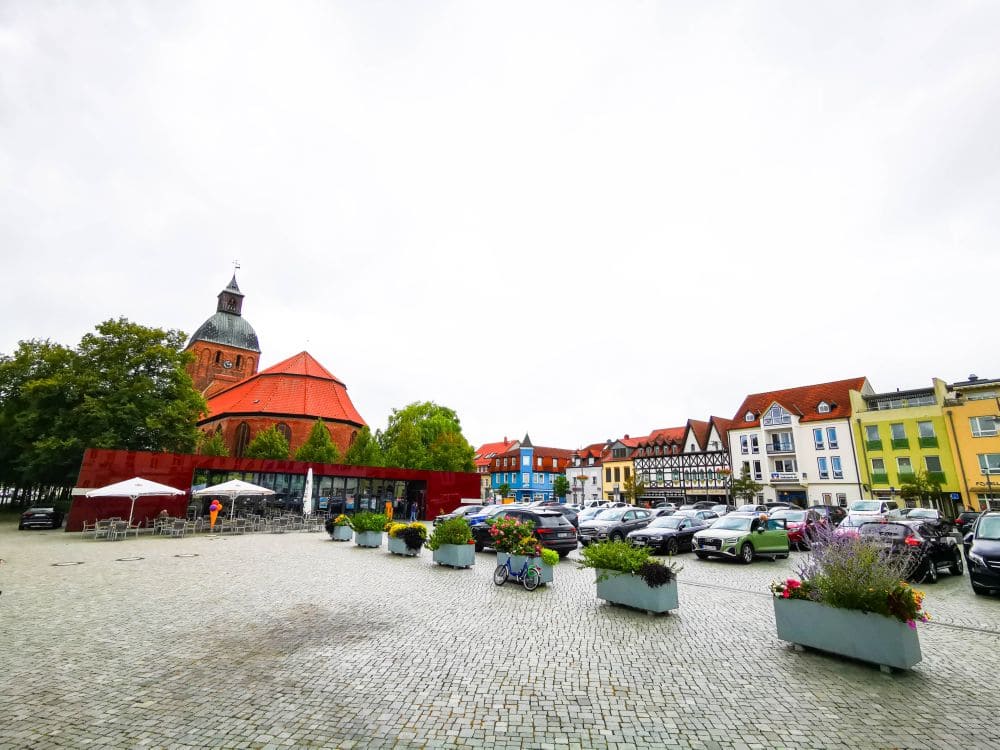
(286, 431)
(242, 439)
(218, 357)
(239, 360)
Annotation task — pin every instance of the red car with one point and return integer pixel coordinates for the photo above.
(800, 524)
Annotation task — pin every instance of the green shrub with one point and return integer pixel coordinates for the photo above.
(550, 557)
(369, 522)
(622, 557)
(452, 531)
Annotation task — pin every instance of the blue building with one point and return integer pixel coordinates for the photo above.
(528, 470)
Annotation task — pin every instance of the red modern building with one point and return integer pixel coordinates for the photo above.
(336, 488)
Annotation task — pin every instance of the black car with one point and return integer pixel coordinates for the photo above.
(552, 529)
(928, 545)
(460, 512)
(982, 550)
(613, 524)
(668, 534)
(41, 518)
(965, 521)
(834, 514)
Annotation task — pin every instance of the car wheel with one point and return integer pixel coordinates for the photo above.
(563, 552)
(746, 553)
(20, 527)
(931, 576)
(616, 536)
(701, 555)
(672, 547)
(804, 545)
(958, 567)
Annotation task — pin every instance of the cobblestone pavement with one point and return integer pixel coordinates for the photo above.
(271, 641)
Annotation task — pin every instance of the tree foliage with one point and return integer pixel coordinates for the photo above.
(424, 435)
(318, 446)
(745, 488)
(212, 445)
(504, 490)
(560, 486)
(633, 487)
(268, 443)
(921, 487)
(124, 386)
(365, 450)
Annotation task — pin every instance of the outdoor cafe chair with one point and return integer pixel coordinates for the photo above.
(178, 528)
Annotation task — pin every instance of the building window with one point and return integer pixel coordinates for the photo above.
(526, 479)
(757, 473)
(218, 357)
(538, 462)
(784, 466)
(842, 499)
(628, 472)
(983, 426)
(818, 438)
(838, 470)
(525, 460)
(285, 431)
(831, 437)
(618, 475)
(871, 433)
(555, 463)
(904, 466)
(827, 498)
(989, 463)
(744, 444)
(748, 417)
(925, 429)
(898, 431)
(590, 461)
(878, 466)
(754, 444)
(242, 439)
(932, 464)
(239, 361)
(823, 408)
(824, 469)
(607, 475)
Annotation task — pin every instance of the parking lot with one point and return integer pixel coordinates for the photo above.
(291, 640)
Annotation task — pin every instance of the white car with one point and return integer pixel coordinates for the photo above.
(873, 508)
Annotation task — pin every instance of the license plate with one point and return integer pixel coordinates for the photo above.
(565, 535)
(639, 542)
(710, 543)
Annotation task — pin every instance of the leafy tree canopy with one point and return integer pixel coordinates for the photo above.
(560, 486)
(124, 386)
(425, 435)
(268, 443)
(318, 446)
(634, 487)
(212, 445)
(921, 486)
(745, 488)
(365, 450)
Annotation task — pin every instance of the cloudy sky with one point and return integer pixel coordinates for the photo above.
(574, 219)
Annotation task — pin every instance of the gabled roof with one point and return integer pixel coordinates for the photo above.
(488, 450)
(296, 387)
(595, 451)
(699, 431)
(722, 426)
(802, 401)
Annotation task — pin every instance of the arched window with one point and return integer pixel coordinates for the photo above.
(250, 364)
(285, 430)
(218, 357)
(354, 434)
(242, 439)
(239, 360)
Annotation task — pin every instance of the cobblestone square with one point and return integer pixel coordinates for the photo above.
(291, 640)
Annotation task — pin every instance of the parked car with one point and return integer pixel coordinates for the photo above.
(588, 514)
(965, 521)
(552, 529)
(723, 509)
(706, 516)
(613, 524)
(41, 518)
(672, 506)
(874, 507)
(659, 512)
(849, 525)
(743, 536)
(668, 534)
(571, 515)
(699, 505)
(782, 506)
(982, 551)
(488, 511)
(801, 525)
(929, 548)
(463, 511)
(752, 508)
(833, 514)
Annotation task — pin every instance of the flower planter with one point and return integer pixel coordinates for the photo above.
(368, 538)
(341, 534)
(517, 562)
(632, 591)
(848, 632)
(456, 555)
(398, 547)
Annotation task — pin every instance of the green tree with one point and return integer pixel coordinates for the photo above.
(745, 488)
(424, 435)
(921, 489)
(633, 487)
(212, 445)
(504, 490)
(560, 486)
(318, 446)
(365, 450)
(268, 443)
(124, 386)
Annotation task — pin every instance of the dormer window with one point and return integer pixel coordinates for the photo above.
(749, 417)
(823, 408)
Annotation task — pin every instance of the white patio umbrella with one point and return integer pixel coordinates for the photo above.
(134, 488)
(233, 489)
(307, 494)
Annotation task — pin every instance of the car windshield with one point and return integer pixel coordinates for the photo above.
(989, 528)
(612, 514)
(890, 530)
(795, 516)
(469, 510)
(667, 522)
(922, 513)
(866, 506)
(733, 523)
(852, 522)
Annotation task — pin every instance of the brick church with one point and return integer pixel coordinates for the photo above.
(242, 402)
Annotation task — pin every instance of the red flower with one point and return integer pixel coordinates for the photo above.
(792, 583)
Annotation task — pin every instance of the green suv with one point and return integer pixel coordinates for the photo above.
(743, 536)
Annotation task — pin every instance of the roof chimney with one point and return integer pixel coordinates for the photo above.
(973, 378)
(626, 436)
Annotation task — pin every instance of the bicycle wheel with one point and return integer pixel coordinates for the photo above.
(531, 579)
(500, 575)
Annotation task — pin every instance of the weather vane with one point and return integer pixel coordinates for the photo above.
(236, 265)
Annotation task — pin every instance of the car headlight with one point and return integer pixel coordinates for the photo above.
(977, 559)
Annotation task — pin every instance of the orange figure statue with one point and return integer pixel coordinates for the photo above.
(213, 512)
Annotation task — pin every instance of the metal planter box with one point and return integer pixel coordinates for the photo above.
(456, 555)
(398, 547)
(632, 591)
(848, 632)
(341, 534)
(368, 538)
(517, 562)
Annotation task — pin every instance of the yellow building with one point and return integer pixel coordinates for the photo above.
(618, 466)
(972, 416)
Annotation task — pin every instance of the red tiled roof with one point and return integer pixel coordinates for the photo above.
(487, 450)
(299, 386)
(802, 401)
(701, 431)
(722, 426)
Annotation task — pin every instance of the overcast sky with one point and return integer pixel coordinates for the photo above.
(573, 219)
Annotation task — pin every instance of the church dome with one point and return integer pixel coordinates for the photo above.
(227, 329)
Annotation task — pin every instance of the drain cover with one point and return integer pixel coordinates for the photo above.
(128, 559)
(62, 565)
(187, 554)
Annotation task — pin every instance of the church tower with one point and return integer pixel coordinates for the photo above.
(225, 346)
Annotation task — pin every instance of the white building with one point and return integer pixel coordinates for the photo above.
(584, 474)
(798, 443)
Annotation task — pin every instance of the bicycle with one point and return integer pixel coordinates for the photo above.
(530, 574)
